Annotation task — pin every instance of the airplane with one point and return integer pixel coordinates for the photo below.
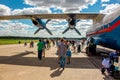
(106, 32)
(70, 17)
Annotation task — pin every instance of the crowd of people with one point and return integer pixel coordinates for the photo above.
(65, 48)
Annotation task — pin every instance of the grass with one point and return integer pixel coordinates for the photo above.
(15, 41)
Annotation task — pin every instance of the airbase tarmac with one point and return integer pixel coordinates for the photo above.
(19, 62)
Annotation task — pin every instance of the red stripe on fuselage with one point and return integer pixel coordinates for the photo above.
(109, 29)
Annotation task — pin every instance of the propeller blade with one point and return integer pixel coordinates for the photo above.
(66, 30)
(48, 31)
(37, 30)
(48, 21)
(77, 31)
(77, 20)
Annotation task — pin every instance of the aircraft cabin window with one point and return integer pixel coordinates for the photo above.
(108, 24)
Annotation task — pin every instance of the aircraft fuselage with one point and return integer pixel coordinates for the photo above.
(107, 35)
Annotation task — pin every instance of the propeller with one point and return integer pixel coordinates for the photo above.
(47, 28)
(77, 20)
(42, 25)
(66, 30)
(77, 31)
(37, 30)
(72, 23)
(48, 31)
(48, 21)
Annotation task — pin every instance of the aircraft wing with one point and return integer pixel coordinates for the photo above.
(53, 16)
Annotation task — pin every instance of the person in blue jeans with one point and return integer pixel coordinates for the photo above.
(62, 61)
(68, 54)
(62, 49)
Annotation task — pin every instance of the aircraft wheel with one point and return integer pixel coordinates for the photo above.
(87, 50)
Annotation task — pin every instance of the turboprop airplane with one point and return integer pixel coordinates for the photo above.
(107, 31)
(71, 18)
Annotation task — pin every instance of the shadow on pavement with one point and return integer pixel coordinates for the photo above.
(56, 73)
(19, 59)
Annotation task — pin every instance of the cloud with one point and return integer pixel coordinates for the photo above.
(6, 33)
(4, 10)
(105, 1)
(71, 10)
(65, 5)
(110, 8)
(15, 29)
(56, 26)
(33, 10)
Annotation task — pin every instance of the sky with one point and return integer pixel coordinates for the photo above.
(25, 28)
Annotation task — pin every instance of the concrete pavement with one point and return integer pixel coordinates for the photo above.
(18, 62)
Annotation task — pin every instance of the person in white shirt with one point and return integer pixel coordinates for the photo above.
(105, 65)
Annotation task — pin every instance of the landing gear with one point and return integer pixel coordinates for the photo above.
(91, 49)
(87, 51)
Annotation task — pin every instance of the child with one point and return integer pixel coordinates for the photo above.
(68, 54)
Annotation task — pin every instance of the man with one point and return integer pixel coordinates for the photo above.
(114, 58)
(92, 47)
(40, 48)
(62, 49)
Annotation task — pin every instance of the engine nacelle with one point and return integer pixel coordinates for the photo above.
(34, 21)
(37, 22)
(72, 22)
